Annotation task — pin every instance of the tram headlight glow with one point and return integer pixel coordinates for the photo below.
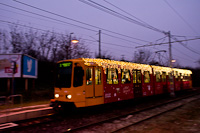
(57, 95)
(69, 96)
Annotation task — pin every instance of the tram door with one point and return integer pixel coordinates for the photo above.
(137, 83)
(94, 85)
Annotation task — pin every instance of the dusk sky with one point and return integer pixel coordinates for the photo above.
(119, 37)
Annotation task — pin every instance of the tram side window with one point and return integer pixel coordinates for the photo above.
(188, 77)
(185, 77)
(136, 76)
(139, 79)
(146, 77)
(158, 77)
(177, 77)
(112, 76)
(181, 76)
(89, 76)
(164, 77)
(125, 76)
(97, 76)
(78, 76)
(170, 77)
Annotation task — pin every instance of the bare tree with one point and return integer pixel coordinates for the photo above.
(105, 55)
(30, 43)
(142, 56)
(4, 42)
(45, 41)
(45, 46)
(16, 39)
(67, 50)
(80, 50)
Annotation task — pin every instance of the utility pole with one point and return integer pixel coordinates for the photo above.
(171, 75)
(170, 50)
(99, 43)
(68, 51)
(171, 78)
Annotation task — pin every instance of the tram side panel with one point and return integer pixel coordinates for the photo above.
(111, 89)
(115, 89)
(177, 84)
(147, 84)
(158, 83)
(126, 85)
(94, 94)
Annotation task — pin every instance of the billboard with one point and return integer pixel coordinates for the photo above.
(26, 66)
(29, 67)
(5, 65)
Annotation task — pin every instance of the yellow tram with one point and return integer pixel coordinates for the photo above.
(87, 82)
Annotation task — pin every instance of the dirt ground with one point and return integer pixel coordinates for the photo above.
(183, 120)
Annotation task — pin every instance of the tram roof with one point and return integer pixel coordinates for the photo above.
(105, 63)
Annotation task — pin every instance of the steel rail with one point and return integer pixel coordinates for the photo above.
(50, 116)
(130, 113)
(153, 116)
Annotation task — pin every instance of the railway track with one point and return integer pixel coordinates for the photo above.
(121, 123)
(112, 122)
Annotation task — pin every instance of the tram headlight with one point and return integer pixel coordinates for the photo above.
(57, 95)
(69, 96)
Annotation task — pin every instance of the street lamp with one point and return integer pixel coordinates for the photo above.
(74, 41)
(173, 61)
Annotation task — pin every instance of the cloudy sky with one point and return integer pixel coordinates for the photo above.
(124, 24)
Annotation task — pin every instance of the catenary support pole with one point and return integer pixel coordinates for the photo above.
(171, 75)
(99, 43)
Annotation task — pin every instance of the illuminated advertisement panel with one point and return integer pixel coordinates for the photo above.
(29, 67)
(5, 65)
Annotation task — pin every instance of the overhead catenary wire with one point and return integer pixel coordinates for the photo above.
(143, 22)
(113, 44)
(49, 17)
(136, 43)
(70, 24)
(117, 14)
(28, 27)
(125, 12)
(186, 46)
(77, 21)
(18, 21)
(109, 47)
(180, 41)
(108, 9)
(168, 42)
(102, 33)
(133, 16)
(188, 56)
(41, 18)
(62, 34)
(186, 43)
(180, 16)
(122, 39)
(81, 39)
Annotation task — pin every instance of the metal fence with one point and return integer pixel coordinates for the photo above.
(10, 99)
(3, 102)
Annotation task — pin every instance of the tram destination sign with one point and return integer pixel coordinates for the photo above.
(65, 64)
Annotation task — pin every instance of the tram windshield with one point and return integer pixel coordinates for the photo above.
(64, 74)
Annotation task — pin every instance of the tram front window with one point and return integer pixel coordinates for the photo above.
(63, 76)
